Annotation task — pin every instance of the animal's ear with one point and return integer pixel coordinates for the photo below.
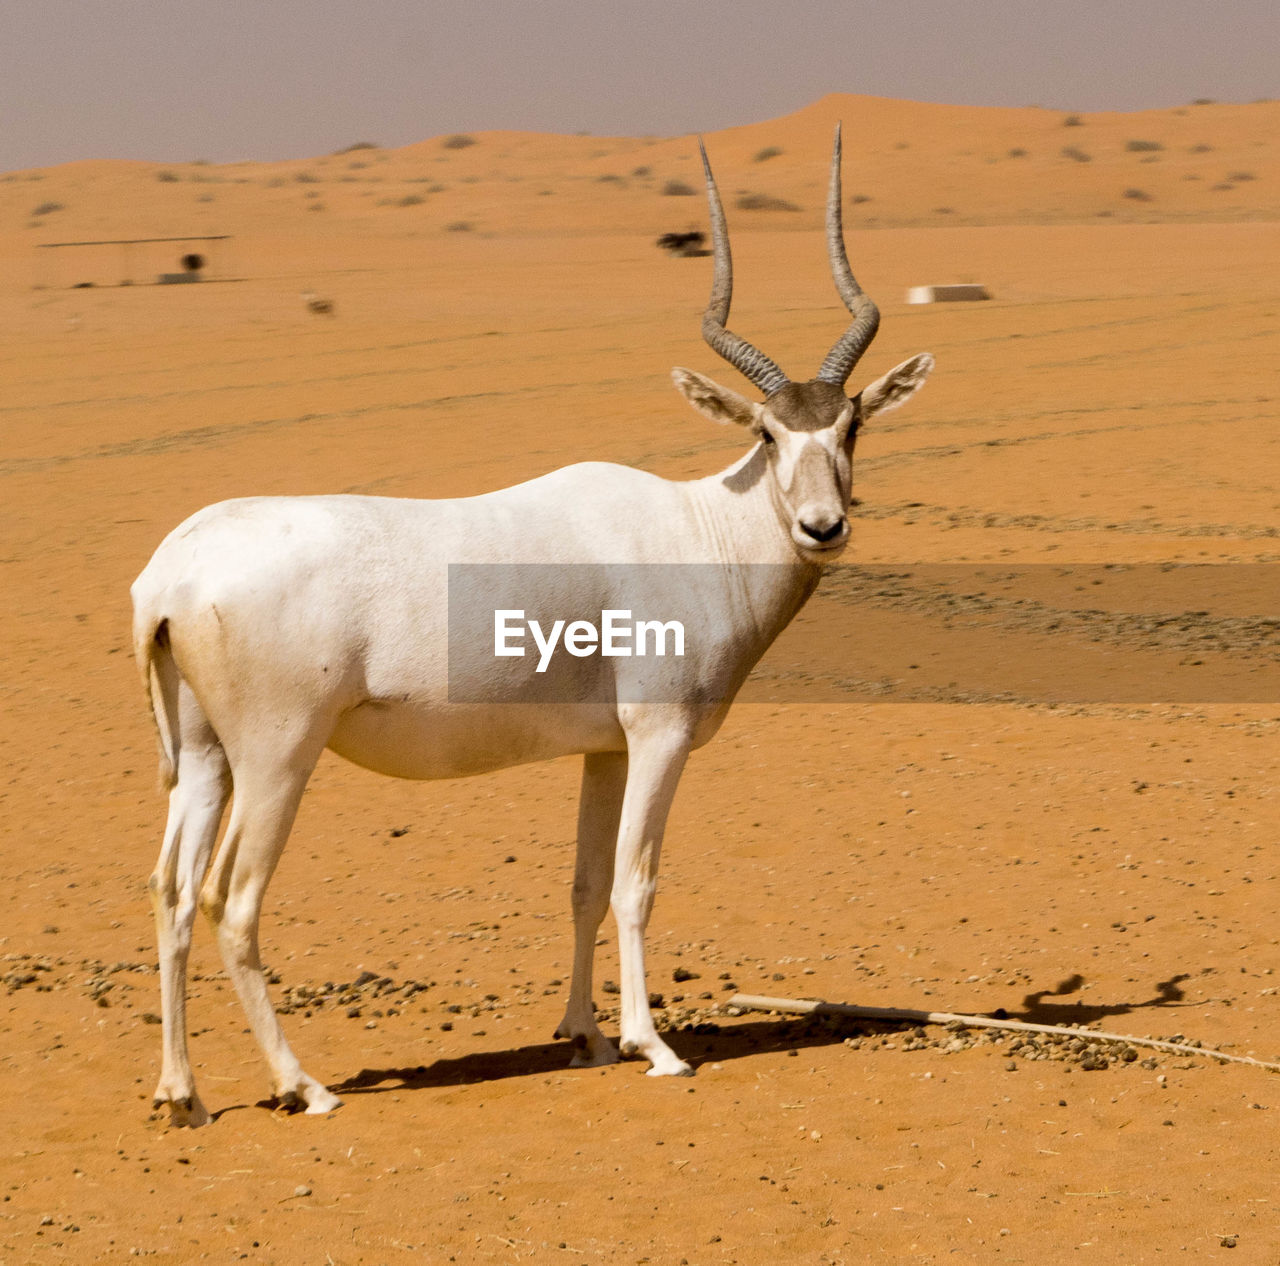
(897, 386)
(714, 401)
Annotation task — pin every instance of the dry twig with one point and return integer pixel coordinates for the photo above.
(813, 1006)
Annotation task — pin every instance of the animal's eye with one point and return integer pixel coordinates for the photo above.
(765, 437)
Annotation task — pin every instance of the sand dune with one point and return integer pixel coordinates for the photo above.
(913, 163)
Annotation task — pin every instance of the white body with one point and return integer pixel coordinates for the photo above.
(288, 625)
(267, 630)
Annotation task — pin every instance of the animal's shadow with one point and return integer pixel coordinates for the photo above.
(712, 1043)
(1035, 1010)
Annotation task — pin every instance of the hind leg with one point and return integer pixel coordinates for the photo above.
(268, 787)
(196, 803)
(604, 779)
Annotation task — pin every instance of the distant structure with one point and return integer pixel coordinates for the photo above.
(139, 260)
(947, 294)
(191, 266)
(684, 245)
(317, 303)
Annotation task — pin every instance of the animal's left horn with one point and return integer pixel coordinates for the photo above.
(747, 360)
(866, 316)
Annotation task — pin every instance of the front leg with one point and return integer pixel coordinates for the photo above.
(656, 761)
(604, 779)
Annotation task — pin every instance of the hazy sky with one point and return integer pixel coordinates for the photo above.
(173, 80)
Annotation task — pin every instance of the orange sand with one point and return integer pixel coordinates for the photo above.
(1113, 403)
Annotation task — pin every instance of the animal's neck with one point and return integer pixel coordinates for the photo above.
(745, 531)
(739, 511)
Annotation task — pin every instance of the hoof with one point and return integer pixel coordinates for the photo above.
(321, 1102)
(310, 1098)
(678, 1069)
(602, 1057)
(185, 1111)
(592, 1051)
(666, 1063)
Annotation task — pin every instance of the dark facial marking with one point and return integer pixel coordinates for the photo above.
(807, 406)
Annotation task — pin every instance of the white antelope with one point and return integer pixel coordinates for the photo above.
(267, 629)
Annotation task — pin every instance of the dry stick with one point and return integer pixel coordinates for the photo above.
(807, 1006)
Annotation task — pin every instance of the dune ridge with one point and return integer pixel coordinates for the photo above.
(907, 164)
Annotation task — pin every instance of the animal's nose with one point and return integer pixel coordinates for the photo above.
(822, 528)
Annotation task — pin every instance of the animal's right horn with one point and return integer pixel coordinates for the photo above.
(752, 363)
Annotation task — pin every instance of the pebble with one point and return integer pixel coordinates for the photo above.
(353, 998)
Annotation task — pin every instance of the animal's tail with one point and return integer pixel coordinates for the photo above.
(159, 674)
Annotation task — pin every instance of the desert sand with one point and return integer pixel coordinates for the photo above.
(499, 309)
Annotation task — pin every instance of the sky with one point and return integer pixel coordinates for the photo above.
(223, 80)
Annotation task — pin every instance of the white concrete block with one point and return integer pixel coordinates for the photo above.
(947, 294)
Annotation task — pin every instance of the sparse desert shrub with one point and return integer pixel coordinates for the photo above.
(48, 208)
(1204, 101)
(1143, 147)
(763, 202)
(351, 149)
(411, 200)
(609, 178)
(944, 210)
(1018, 153)
(459, 140)
(168, 177)
(1221, 188)
(205, 197)
(859, 198)
(306, 178)
(1201, 149)
(902, 145)
(315, 206)
(640, 173)
(459, 226)
(1073, 120)
(357, 166)
(769, 151)
(1238, 176)
(1137, 195)
(1077, 155)
(677, 189)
